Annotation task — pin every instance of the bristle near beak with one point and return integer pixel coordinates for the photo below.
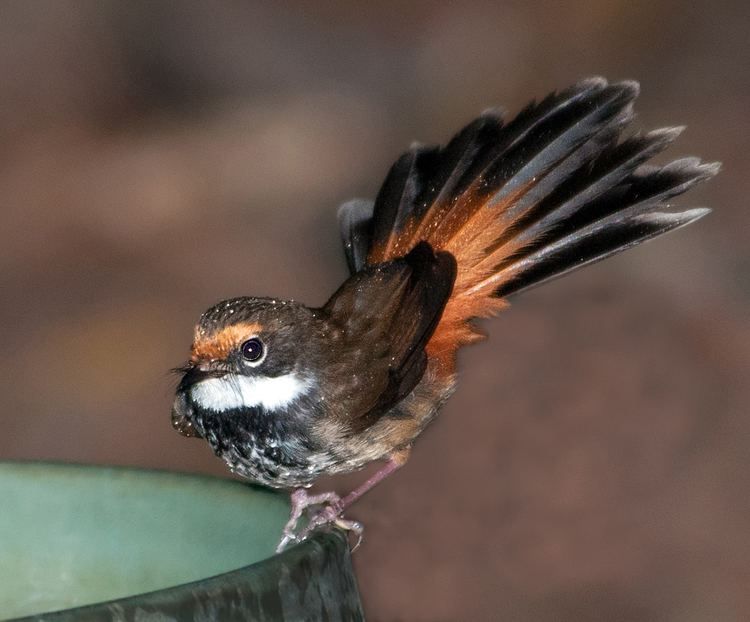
(181, 369)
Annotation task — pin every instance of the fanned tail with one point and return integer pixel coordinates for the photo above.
(553, 190)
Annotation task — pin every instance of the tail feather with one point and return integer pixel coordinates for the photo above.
(586, 245)
(355, 223)
(558, 139)
(613, 163)
(554, 189)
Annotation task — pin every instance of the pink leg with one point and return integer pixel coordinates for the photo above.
(392, 465)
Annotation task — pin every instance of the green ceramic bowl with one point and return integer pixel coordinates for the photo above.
(75, 535)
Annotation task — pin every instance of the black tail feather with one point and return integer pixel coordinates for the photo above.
(588, 245)
(355, 223)
(563, 190)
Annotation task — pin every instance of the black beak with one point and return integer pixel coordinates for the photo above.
(193, 374)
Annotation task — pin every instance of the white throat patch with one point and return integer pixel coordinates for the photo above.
(236, 391)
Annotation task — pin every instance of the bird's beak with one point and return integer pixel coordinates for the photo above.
(195, 373)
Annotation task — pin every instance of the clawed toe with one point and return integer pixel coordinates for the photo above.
(329, 513)
(351, 526)
(286, 540)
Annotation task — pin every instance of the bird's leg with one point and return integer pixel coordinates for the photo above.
(392, 465)
(332, 513)
(300, 502)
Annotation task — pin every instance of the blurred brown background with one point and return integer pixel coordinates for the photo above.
(157, 157)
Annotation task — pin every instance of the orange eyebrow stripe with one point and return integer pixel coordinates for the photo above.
(219, 345)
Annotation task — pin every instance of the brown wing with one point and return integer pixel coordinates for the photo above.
(385, 315)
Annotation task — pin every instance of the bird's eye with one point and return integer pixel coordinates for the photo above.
(252, 350)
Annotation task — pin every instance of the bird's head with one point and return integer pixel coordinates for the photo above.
(247, 354)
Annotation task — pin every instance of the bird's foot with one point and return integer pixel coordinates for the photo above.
(301, 501)
(331, 513)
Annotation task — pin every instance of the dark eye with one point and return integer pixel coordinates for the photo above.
(252, 350)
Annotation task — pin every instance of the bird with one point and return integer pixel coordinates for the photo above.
(284, 393)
